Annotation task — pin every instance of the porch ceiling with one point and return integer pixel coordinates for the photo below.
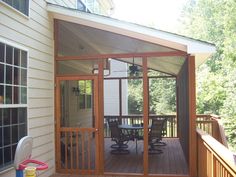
(83, 34)
(92, 41)
(80, 40)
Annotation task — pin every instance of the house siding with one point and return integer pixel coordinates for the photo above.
(36, 35)
(111, 90)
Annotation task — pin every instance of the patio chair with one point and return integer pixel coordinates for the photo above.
(120, 138)
(163, 133)
(155, 136)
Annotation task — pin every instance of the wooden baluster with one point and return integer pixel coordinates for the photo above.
(77, 151)
(66, 148)
(83, 151)
(89, 149)
(172, 126)
(71, 150)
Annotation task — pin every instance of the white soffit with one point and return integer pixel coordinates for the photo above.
(201, 50)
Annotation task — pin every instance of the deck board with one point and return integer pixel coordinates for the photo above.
(171, 161)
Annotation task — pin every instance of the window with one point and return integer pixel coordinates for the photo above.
(13, 101)
(85, 94)
(81, 6)
(20, 5)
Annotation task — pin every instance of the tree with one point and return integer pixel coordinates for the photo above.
(215, 21)
(162, 97)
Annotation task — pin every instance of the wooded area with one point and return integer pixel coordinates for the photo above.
(215, 21)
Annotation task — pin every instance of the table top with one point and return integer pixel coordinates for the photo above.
(131, 127)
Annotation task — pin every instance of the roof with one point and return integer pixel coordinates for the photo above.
(120, 36)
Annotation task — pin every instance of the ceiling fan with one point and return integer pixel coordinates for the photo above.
(133, 69)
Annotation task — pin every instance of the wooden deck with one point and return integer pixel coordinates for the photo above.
(171, 161)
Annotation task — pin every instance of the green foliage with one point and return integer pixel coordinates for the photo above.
(210, 92)
(162, 98)
(215, 21)
(135, 96)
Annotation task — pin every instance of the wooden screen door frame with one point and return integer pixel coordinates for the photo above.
(58, 127)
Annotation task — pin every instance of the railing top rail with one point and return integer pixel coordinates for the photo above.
(152, 115)
(215, 116)
(205, 121)
(139, 116)
(218, 149)
(208, 116)
(75, 129)
(204, 117)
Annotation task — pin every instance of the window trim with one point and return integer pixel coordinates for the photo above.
(7, 170)
(15, 45)
(16, 10)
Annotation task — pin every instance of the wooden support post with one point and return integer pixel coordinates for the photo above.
(100, 145)
(192, 117)
(57, 125)
(177, 106)
(56, 40)
(145, 116)
(120, 101)
(56, 100)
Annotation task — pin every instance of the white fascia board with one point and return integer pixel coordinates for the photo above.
(201, 52)
(199, 49)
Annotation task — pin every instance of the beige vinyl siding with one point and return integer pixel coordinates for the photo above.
(36, 35)
(39, 112)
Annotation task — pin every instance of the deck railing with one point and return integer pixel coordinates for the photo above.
(212, 125)
(214, 159)
(170, 128)
(77, 147)
(208, 123)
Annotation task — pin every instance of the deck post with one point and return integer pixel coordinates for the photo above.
(100, 148)
(177, 106)
(120, 101)
(145, 115)
(192, 117)
(56, 100)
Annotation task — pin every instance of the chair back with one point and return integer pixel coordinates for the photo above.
(115, 131)
(156, 128)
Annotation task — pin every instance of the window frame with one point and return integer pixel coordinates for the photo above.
(16, 10)
(77, 2)
(12, 105)
(84, 97)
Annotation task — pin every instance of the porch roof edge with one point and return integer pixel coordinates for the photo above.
(200, 49)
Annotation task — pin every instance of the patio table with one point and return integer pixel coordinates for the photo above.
(135, 129)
